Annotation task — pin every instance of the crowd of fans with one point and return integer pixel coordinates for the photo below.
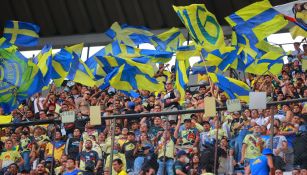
(183, 144)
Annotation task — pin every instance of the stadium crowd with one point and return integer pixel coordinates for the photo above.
(180, 145)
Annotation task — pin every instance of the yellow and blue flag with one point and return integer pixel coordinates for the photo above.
(4, 44)
(61, 64)
(12, 67)
(21, 33)
(269, 63)
(169, 40)
(257, 21)
(129, 35)
(182, 69)
(31, 82)
(235, 89)
(222, 58)
(44, 62)
(99, 63)
(202, 26)
(132, 76)
(79, 72)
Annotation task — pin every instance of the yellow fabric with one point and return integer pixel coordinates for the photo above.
(252, 151)
(170, 149)
(296, 30)
(174, 43)
(221, 133)
(57, 151)
(9, 157)
(266, 28)
(122, 173)
(120, 156)
(262, 68)
(203, 77)
(202, 25)
(4, 119)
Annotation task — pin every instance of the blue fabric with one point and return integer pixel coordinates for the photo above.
(169, 167)
(138, 163)
(245, 27)
(259, 166)
(26, 157)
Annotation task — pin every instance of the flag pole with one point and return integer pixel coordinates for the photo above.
(112, 144)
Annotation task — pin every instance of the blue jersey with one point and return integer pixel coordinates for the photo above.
(259, 166)
(75, 172)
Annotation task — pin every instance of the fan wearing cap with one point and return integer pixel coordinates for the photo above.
(262, 165)
(181, 163)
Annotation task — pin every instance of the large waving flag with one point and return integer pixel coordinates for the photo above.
(12, 67)
(182, 68)
(257, 21)
(235, 89)
(130, 75)
(202, 26)
(99, 65)
(79, 72)
(60, 66)
(21, 33)
(169, 40)
(44, 62)
(222, 58)
(129, 35)
(31, 82)
(269, 63)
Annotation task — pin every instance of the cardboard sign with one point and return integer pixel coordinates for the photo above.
(233, 105)
(95, 115)
(257, 100)
(68, 117)
(304, 64)
(210, 106)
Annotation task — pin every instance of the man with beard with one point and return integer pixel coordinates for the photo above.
(88, 159)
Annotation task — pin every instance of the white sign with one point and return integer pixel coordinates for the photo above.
(68, 117)
(233, 105)
(257, 100)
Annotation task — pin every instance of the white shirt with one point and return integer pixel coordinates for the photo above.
(40, 103)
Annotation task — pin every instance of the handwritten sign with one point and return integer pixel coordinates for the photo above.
(68, 117)
(233, 105)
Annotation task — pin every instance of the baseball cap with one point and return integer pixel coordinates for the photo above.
(181, 153)
(131, 104)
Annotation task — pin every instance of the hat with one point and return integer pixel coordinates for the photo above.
(267, 151)
(131, 104)
(181, 153)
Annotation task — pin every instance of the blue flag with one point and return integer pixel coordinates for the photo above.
(21, 33)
